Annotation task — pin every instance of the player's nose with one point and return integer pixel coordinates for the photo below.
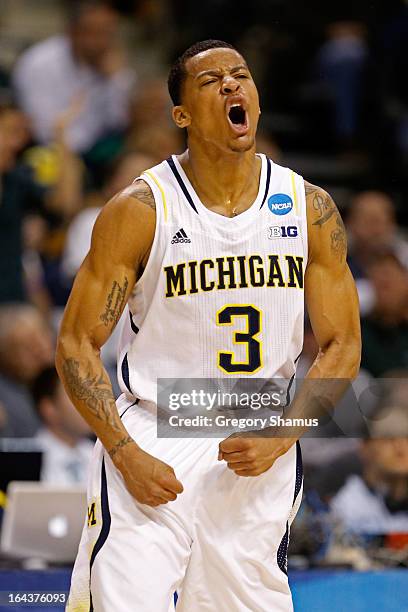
(230, 85)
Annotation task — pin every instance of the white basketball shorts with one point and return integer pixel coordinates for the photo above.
(222, 545)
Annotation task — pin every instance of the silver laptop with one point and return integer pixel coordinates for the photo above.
(43, 521)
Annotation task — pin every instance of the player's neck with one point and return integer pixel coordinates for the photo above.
(227, 184)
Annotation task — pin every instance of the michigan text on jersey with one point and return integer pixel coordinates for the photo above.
(233, 272)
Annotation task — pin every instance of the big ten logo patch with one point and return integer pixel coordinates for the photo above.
(282, 231)
(92, 514)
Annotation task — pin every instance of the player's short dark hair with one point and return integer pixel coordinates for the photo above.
(45, 385)
(178, 72)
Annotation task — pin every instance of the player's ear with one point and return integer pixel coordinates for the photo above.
(181, 116)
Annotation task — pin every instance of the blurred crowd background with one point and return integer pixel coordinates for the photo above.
(84, 110)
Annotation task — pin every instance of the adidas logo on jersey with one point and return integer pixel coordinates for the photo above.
(180, 236)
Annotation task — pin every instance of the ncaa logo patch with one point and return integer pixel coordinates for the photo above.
(280, 204)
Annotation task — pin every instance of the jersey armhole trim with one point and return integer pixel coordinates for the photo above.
(295, 198)
(268, 180)
(160, 188)
(303, 212)
(180, 181)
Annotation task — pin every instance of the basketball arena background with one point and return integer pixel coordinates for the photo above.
(333, 85)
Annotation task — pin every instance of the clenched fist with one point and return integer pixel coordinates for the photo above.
(251, 456)
(148, 479)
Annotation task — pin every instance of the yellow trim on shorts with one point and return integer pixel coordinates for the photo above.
(78, 607)
(161, 192)
(294, 193)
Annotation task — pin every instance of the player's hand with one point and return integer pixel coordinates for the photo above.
(251, 455)
(148, 479)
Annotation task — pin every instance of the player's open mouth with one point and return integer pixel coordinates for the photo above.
(238, 119)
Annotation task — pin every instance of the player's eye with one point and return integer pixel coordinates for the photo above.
(208, 82)
(242, 76)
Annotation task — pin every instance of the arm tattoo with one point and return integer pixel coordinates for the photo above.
(141, 191)
(323, 204)
(93, 390)
(114, 303)
(112, 452)
(339, 240)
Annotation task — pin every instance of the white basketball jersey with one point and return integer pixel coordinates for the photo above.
(219, 297)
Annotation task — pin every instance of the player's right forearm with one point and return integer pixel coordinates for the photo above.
(88, 385)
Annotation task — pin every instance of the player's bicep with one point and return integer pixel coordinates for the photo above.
(332, 304)
(330, 291)
(97, 300)
(121, 238)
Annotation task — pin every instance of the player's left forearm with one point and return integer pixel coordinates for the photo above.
(326, 382)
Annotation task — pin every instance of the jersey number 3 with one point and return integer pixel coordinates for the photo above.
(253, 346)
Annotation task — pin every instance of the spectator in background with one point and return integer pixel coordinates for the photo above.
(78, 239)
(17, 191)
(63, 433)
(26, 347)
(82, 66)
(385, 330)
(372, 227)
(152, 130)
(4, 86)
(376, 502)
(393, 60)
(341, 62)
(21, 194)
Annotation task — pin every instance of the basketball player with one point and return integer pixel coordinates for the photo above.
(214, 252)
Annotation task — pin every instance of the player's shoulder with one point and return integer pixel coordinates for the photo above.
(312, 190)
(320, 205)
(131, 210)
(140, 191)
(327, 235)
(139, 199)
(126, 224)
